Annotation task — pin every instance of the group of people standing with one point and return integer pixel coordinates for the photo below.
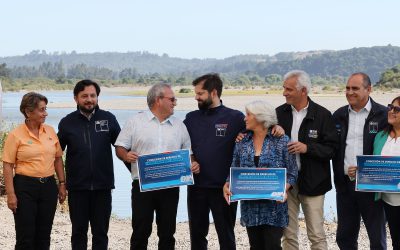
(300, 135)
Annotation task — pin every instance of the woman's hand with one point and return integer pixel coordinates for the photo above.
(227, 192)
(284, 199)
(62, 193)
(12, 202)
(287, 188)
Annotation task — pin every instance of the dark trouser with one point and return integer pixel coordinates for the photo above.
(200, 202)
(164, 203)
(265, 237)
(92, 206)
(393, 218)
(37, 204)
(351, 207)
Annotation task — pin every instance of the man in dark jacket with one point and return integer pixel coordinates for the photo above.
(212, 129)
(88, 134)
(314, 141)
(357, 124)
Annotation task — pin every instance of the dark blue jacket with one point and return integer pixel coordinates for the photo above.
(89, 160)
(212, 133)
(317, 131)
(375, 122)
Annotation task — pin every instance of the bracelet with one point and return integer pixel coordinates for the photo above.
(61, 182)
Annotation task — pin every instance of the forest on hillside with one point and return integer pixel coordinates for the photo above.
(325, 67)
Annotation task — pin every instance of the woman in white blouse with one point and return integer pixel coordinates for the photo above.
(387, 142)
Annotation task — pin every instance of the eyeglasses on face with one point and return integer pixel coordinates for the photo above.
(172, 99)
(396, 109)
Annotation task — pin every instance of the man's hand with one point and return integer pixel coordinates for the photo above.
(12, 202)
(195, 167)
(131, 157)
(351, 172)
(277, 131)
(62, 193)
(297, 147)
(240, 137)
(226, 192)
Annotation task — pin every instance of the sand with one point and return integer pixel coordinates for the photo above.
(120, 232)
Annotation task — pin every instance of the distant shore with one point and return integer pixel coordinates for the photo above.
(330, 100)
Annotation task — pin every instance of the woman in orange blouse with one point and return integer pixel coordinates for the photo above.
(32, 152)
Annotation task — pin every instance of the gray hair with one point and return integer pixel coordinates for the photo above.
(303, 79)
(155, 91)
(263, 112)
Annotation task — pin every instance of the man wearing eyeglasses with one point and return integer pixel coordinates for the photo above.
(149, 132)
(356, 125)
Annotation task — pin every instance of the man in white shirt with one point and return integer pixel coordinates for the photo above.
(357, 124)
(153, 131)
(313, 140)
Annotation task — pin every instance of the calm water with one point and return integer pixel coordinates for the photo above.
(122, 193)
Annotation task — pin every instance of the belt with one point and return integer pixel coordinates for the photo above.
(39, 179)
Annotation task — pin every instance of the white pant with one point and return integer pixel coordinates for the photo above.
(313, 208)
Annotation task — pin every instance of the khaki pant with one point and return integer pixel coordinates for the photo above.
(313, 208)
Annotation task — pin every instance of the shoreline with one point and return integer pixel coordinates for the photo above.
(331, 102)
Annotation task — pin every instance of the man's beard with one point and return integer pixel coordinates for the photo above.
(87, 111)
(205, 104)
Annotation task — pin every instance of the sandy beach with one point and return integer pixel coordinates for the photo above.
(120, 232)
(331, 100)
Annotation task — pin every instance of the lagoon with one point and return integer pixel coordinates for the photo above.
(121, 205)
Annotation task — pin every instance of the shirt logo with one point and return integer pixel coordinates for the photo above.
(313, 134)
(101, 126)
(220, 129)
(30, 142)
(373, 127)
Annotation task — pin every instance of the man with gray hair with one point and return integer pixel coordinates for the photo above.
(153, 131)
(314, 142)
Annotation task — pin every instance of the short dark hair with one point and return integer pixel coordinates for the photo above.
(81, 85)
(30, 101)
(365, 78)
(211, 81)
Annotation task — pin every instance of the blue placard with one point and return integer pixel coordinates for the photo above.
(257, 183)
(164, 170)
(378, 173)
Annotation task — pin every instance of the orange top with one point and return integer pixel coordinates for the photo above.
(30, 155)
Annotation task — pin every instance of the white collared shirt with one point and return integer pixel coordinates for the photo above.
(298, 117)
(145, 134)
(355, 135)
(391, 148)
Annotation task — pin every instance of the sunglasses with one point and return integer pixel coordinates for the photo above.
(396, 109)
(172, 99)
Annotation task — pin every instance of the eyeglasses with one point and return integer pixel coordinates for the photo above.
(172, 99)
(396, 109)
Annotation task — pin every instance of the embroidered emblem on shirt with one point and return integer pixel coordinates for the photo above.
(373, 127)
(220, 129)
(101, 126)
(313, 134)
